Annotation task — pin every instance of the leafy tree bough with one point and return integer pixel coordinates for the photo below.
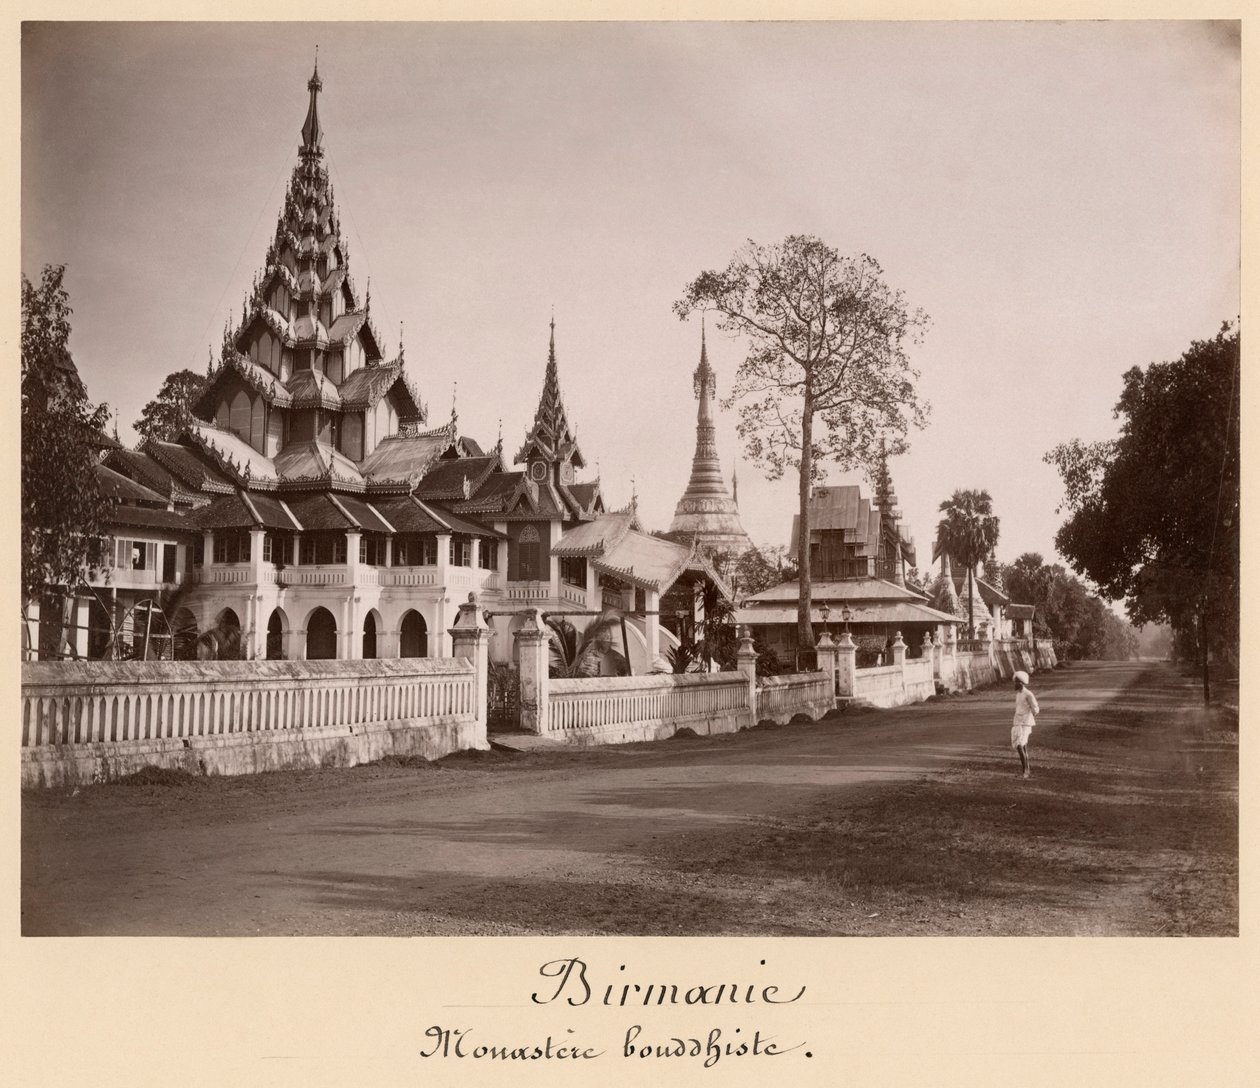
(827, 374)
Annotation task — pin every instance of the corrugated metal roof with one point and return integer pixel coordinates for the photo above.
(873, 612)
(851, 589)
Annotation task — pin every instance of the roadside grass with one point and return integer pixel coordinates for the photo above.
(1129, 826)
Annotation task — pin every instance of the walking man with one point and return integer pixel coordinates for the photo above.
(1026, 711)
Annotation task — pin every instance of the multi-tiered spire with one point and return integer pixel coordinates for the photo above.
(551, 440)
(706, 508)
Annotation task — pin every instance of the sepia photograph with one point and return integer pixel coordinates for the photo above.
(630, 479)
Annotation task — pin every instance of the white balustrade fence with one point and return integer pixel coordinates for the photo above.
(606, 701)
(132, 713)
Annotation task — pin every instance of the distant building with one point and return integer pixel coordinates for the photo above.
(707, 511)
(860, 555)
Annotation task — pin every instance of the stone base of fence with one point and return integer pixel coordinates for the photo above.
(807, 694)
(704, 725)
(247, 753)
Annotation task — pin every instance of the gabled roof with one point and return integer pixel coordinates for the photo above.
(188, 466)
(1020, 611)
(365, 387)
(493, 495)
(405, 457)
(312, 389)
(233, 455)
(599, 536)
(457, 479)
(146, 470)
(614, 544)
(313, 463)
(116, 486)
(147, 517)
(346, 326)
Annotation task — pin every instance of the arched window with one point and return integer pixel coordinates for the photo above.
(413, 636)
(239, 415)
(258, 426)
(369, 637)
(275, 636)
(321, 636)
(528, 555)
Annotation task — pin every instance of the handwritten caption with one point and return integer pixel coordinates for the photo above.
(571, 985)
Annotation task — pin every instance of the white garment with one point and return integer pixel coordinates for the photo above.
(1026, 708)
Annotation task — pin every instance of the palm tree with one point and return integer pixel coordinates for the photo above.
(968, 532)
(578, 654)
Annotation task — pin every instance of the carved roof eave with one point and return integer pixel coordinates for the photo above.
(227, 465)
(326, 481)
(275, 270)
(274, 322)
(390, 486)
(271, 391)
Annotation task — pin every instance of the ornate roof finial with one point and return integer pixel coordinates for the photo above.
(116, 425)
(367, 296)
(400, 343)
(312, 130)
(454, 401)
(735, 482)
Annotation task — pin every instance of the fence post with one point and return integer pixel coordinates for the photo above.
(846, 666)
(899, 662)
(533, 645)
(827, 656)
(469, 638)
(746, 662)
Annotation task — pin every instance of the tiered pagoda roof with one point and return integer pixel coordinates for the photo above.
(707, 509)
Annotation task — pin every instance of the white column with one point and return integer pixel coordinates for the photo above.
(846, 665)
(535, 678)
(746, 662)
(207, 549)
(256, 537)
(469, 638)
(652, 626)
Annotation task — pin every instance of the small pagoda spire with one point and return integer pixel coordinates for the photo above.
(551, 436)
(400, 343)
(498, 446)
(116, 426)
(454, 409)
(312, 130)
(735, 482)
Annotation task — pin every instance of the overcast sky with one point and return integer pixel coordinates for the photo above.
(1062, 199)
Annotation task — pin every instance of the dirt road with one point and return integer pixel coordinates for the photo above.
(623, 839)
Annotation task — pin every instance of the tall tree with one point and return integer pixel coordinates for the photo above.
(827, 371)
(63, 512)
(170, 411)
(968, 532)
(1154, 512)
